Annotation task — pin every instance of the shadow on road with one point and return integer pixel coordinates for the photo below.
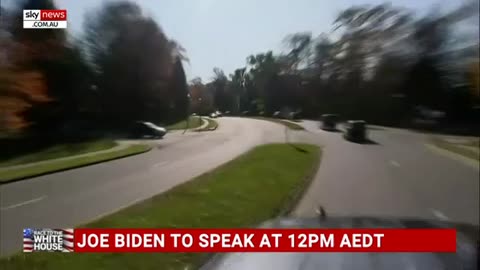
(331, 130)
(371, 142)
(145, 139)
(368, 141)
(299, 149)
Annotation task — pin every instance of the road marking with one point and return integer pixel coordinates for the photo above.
(439, 214)
(394, 163)
(160, 164)
(24, 203)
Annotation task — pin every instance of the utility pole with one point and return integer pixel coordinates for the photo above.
(188, 112)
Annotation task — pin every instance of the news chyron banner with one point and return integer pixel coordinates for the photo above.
(44, 19)
(239, 240)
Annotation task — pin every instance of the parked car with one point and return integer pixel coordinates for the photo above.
(277, 114)
(329, 122)
(213, 115)
(219, 113)
(142, 129)
(356, 131)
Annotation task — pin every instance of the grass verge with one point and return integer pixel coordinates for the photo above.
(194, 122)
(289, 124)
(255, 187)
(59, 151)
(212, 125)
(61, 165)
(465, 149)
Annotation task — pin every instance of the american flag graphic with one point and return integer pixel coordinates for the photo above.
(67, 239)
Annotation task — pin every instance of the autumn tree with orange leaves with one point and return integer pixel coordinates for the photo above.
(20, 88)
(58, 62)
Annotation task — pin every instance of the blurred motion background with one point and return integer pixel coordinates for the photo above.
(382, 63)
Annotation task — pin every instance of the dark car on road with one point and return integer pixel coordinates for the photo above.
(142, 129)
(356, 131)
(329, 122)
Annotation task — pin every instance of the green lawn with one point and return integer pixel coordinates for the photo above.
(194, 122)
(468, 149)
(289, 124)
(59, 151)
(246, 191)
(21, 173)
(474, 143)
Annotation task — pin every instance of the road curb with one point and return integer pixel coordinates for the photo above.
(301, 190)
(209, 129)
(214, 128)
(204, 125)
(281, 121)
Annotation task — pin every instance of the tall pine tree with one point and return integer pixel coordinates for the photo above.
(179, 92)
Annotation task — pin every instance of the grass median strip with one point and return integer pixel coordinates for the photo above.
(468, 149)
(194, 122)
(289, 124)
(244, 192)
(8, 175)
(59, 151)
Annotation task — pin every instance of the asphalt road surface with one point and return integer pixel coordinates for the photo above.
(399, 176)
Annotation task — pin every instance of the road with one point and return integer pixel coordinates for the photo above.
(399, 176)
(74, 197)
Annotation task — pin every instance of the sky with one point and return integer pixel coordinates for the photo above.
(222, 33)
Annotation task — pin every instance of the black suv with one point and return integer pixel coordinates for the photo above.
(356, 131)
(329, 122)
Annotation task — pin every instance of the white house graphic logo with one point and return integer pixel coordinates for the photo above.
(52, 240)
(44, 19)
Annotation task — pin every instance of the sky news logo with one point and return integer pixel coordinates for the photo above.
(44, 19)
